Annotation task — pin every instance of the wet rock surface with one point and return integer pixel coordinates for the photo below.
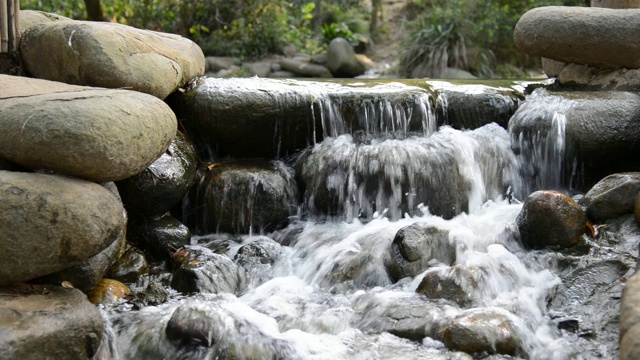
(612, 197)
(551, 219)
(456, 284)
(158, 237)
(108, 291)
(47, 322)
(129, 266)
(200, 270)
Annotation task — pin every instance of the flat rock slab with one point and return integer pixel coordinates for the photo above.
(98, 134)
(605, 38)
(47, 322)
(110, 55)
(49, 223)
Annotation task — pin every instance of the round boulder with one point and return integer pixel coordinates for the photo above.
(98, 134)
(456, 284)
(612, 197)
(108, 291)
(551, 219)
(49, 223)
(201, 270)
(342, 60)
(48, 322)
(158, 237)
(599, 37)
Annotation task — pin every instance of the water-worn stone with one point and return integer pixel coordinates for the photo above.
(303, 68)
(158, 237)
(482, 330)
(342, 60)
(108, 291)
(111, 55)
(241, 196)
(97, 134)
(29, 18)
(47, 322)
(201, 270)
(630, 319)
(417, 247)
(217, 63)
(49, 223)
(165, 182)
(612, 197)
(550, 219)
(129, 266)
(456, 284)
(599, 37)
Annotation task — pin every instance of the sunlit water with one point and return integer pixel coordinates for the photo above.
(328, 295)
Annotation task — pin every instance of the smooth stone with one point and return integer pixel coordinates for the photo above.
(111, 55)
(612, 197)
(305, 68)
(591, 78)
(342, 60)
(98, 134)
(158, 237)
(260, 69)
(217, 63)
(50, 223)
(29, 18)
(455, 283)
(108, 291)
(156, 189)
(200, 270)
(599, 37)
(550, 219)
(47, 322)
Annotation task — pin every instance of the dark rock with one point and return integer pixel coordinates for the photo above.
(154, 294)
(165, 182)
(190, 326)
(49, 223)
(630, 319)
(108, 291)
(158, 237)
(241, 197)
(456, 284)
(479, 331)
(341, 59)
(48, 322)
(551, 219)
(201, 270)
(636, 209)
(417, 247)
(129, 266)
(612, 197)
(606, 37)
(257, 258)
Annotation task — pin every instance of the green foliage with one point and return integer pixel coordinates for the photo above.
(333, 30)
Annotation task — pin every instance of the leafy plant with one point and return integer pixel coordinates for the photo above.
(333, 30)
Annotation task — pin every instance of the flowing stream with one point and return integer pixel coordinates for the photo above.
(324, 289)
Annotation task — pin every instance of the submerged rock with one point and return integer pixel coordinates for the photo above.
(165, 182)
(45, 126)
(551, 219)
(482, 331)
(257, 258)
(417, 247)
(49, 223)
(612, 197)
(48, 322)
(455, 283)
(201, 270)
(158, 237)
(111, 55)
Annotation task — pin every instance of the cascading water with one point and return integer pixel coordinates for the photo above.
(327, 285)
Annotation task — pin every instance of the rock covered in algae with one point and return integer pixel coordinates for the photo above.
(49, 223)
(48, 322)
(551, 219)
(108, 291)
(612, 197)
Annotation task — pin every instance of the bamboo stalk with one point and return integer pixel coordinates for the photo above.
(4, 28)
(11, 25)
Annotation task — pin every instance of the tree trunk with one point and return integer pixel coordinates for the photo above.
(13, 7)
(95, 11)
(4, 28)
(375, 13)
(317, 16)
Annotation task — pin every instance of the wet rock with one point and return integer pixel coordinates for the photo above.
(129, 266)
(163, 183)
(456, 284)
(612, 197)
(240, 197)
(49, 223)
(257, 258)
(550, 219)
(48, 322)
(89, 273)
(154, 294)
(342, 60)
(607, 37)
(480, 331)
(111, 55)
(630, 319)
(582, 284)
(108, 291)
(636, 209)
(201, 270)
(417, 247)
(190, 327)
(158, 237)
(127, 132)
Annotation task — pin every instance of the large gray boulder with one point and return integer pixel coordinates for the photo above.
(612, 197)
(605, 38)
(49, 223)
(48, 322)
(97, 134)
(110, 55)
(342, 60)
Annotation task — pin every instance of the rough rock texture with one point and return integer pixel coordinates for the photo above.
(342, 60)
(598, 37)
(47, 322)
(111, 55)
(98, 134)
(612, 197)
(630, 320)
(417, 247)
(129, 266)
(49, 223)
(478, 331)
(550, 219)
(202, 270)
(29, 18)
(153, 191)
